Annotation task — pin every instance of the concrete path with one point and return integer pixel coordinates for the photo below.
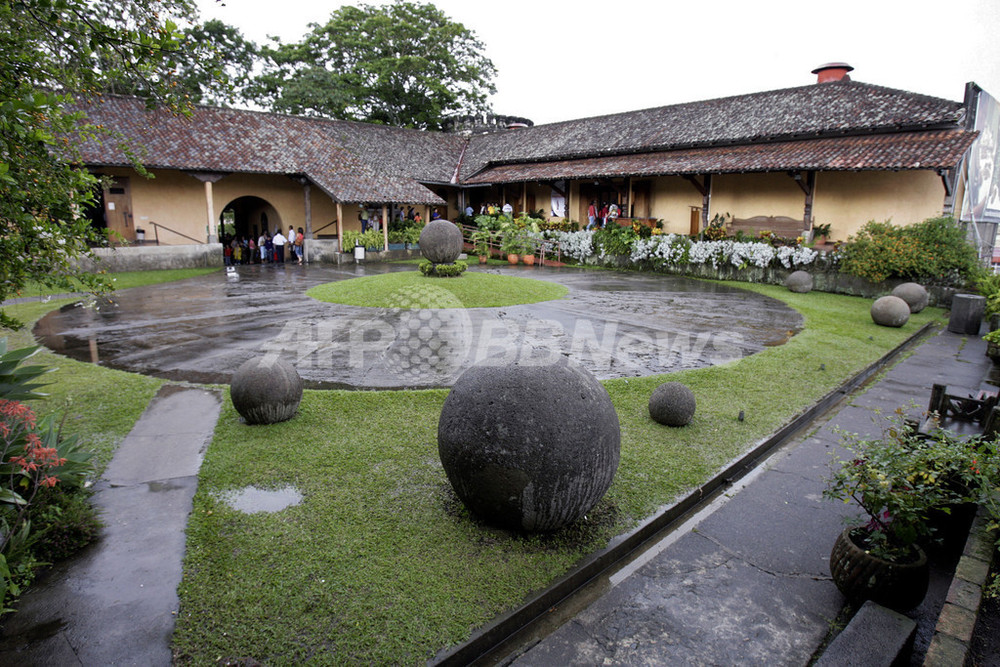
(116, 603)
(747, 582)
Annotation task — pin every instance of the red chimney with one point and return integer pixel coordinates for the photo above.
(832, 72)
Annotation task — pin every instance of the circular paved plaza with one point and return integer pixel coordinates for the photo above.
(614, 324)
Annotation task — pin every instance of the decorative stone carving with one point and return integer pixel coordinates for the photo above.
(672, 404)
(530, 447)
(890, 311)
(799, 281)
(441, 242)
(913, 294)
(266, 390)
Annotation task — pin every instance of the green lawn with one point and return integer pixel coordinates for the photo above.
(411, 289)
(381, 564)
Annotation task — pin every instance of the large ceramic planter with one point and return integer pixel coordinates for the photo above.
(861, 576)
(528, 259)
(512, 258)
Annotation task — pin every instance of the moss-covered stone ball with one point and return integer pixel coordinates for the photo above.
(890, 311)
(441, 242)
(913, 294)
(672, 404)
(266, 390)
(529, 447)
(799, 281)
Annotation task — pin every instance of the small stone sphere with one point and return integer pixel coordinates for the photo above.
(890, 311)
(799, 281)
(529, 447)
(672, 404)
(266, 390)
(913, 294)
(441, 242)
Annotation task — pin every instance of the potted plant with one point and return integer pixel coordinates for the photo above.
(821, 233)
(529, 246)
(899, 481)
(993, 346)
(481, 244)
(510, 245)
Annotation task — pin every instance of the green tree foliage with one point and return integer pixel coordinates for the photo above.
(404, 64)
(935, 250)
(51, 50)
(217, 66)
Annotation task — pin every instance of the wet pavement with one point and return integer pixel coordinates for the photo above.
(614, 324)
(747, 580)
(116, 602)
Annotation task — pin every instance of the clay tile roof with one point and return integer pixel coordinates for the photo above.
(817, 110)
(352, 162)
(940, 149)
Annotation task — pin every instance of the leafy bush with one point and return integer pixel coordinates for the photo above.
(935, 250)
(442, 270)
(64, 523)
(34, 458)
(613, 239)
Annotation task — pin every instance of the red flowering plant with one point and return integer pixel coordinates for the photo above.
(34, 457)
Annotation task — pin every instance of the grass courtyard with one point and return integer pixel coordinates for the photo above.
(380, 563)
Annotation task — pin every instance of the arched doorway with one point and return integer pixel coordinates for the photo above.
(249, 217)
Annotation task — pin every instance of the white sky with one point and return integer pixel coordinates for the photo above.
(559, 60)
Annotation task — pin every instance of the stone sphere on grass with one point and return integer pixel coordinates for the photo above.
(266, 390)
(441, 242)
(799, 282)
(529, 447)
(890, 311)
(672, 404)
(913, 294)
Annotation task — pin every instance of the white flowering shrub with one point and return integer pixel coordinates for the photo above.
(578, 245)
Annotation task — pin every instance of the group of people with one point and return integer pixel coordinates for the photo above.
(492, 208)
(266, 249)
(603, 214)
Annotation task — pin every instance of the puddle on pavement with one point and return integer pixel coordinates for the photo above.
(251, 500)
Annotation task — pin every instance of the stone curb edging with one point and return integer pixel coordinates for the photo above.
(955, 624)
(504, 628)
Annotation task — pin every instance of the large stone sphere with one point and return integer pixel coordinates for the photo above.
(529, 447)
(799, 281)
(441, 242)
(890, 311)
(266, 390)
(672, 404)
(913, 294)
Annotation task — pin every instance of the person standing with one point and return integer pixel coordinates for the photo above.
(262, 246)
(507, 209)
(592, 214)
(279, 242)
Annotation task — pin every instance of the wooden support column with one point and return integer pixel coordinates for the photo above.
(340, 226)
(809, 188)
(524, 197)
(948, 180)
(385, 226)
(628, 200)
(705, 188)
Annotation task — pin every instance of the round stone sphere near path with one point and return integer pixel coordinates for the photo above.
(530, 447)
(441, 242)
(913, 294)
(890, 311)
(800, 282)
(266, 390)
(672, 404)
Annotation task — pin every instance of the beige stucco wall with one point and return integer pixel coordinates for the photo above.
(176, 201)
(847, 200)
(750, 195)
(671, 199)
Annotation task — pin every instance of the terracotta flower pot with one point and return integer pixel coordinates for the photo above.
(861, 576)
(512, 258)
(528, 259)
(483, 259)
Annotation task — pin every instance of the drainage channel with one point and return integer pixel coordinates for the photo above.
(599, 572)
